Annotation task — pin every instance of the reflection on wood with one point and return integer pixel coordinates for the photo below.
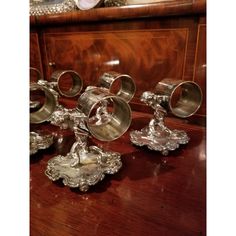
(147, 56)
(150, 195)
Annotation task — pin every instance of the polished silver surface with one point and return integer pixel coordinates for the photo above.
(101, 113)
(68, 118)
(83, 166)
(108, 116)
(119, 84)
(164, 141)
(88, 4)
(183, 99)
(44, 111)
(77, 84)
(105, 116)
(39, 141)
(35, 73)
(45, 7)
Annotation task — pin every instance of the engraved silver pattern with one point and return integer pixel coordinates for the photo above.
(83, 166)
(40, 8)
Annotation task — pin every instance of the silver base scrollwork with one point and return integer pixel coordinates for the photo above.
(99, 112)
(163, 142)
(156, 136)
(83, 166)
(38, 141)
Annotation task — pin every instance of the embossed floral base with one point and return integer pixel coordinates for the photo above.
(79, 175)
(163, 142)
(39, 141)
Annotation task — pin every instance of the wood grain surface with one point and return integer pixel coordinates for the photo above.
(150, 43)
(150, 195)
(159, 9)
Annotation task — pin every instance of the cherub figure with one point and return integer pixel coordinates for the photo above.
(156, 125)
(102, 115)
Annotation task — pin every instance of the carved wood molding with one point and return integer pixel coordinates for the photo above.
(160, 9)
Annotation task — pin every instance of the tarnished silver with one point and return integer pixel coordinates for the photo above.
(83, 166)
(45, 7)
(156, 136)
(58, 75)
(121, 85)
(108, 116)
(39, 141)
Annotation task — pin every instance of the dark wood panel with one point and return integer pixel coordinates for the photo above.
(159, 9)
(200, 64)
(35, 54)
(147, 56)
(151, 195)
(65, 44)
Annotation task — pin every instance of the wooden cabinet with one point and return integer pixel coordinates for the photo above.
(200, 64)
(148, 49)
(152, 194)
(35, 54)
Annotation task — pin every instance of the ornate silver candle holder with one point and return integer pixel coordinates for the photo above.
(183, 99)
(101, 113)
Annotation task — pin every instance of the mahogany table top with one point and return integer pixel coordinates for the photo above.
(150, 195)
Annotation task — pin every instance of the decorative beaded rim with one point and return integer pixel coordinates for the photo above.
(41, 8)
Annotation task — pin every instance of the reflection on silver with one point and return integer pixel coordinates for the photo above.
(51, 110)
(86, 165)
(59, 75)
(182, 98)
(45, 7)
(68, 118)
(119, 84)
(108, 115)
(83, 166)
(156, 136)
(36, 72)
(104, 115)
(38, 141)
(88, 4)
(44, 112)
(34, 104)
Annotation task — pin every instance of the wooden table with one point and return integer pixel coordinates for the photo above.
(150, 195)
